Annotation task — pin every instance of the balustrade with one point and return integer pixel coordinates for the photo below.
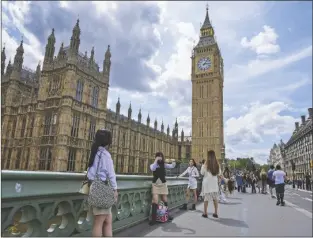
(48, 203)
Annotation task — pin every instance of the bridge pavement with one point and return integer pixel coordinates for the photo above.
(245, 215)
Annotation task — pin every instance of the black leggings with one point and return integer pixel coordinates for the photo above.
(280, 191)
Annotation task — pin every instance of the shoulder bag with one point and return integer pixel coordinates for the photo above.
(101, 194)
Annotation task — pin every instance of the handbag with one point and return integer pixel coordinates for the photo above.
(84, 189)
(101, 194)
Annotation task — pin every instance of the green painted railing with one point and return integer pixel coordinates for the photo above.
(48, 203)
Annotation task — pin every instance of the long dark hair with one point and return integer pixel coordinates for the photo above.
(212, 164)
(103, 138)
(193, 162)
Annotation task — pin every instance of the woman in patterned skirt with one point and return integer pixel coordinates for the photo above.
(210, 190)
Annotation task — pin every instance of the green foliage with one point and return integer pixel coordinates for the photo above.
(244, 163)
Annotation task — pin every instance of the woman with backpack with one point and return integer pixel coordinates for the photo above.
(159, 185)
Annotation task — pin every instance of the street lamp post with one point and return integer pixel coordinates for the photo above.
(223, 157)
(293, 167)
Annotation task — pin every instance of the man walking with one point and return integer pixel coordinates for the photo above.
(270, 180)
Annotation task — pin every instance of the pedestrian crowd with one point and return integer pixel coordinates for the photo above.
(100, 186)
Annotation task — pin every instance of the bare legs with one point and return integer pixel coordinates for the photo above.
(195, 198)
(102, 225)
(205, 206)
(205, 211)
(187, 195)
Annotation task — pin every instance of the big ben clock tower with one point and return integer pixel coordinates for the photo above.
(207, 95)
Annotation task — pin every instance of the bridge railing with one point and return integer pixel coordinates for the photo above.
(48, 203)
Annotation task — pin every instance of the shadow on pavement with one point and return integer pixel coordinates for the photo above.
(144, 228)
(231, 203)
(230, 222)
(172, 227)
(234, 198)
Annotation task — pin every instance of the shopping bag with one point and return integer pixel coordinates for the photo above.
(162, 213)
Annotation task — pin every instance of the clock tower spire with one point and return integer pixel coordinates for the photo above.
(207, 94)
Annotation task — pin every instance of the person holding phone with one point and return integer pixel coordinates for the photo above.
(159, 185)
(193, 174)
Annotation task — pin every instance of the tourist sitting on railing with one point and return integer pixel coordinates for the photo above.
(101, 166)
(159, 185)
(193, 174)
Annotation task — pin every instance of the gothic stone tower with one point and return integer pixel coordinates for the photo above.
(207, 94)
(72, 103)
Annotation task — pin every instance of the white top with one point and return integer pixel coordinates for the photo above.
(106, 167)
(210, 182)
(193, 174)
(279, 176)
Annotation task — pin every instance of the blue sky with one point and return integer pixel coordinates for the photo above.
(266, 46)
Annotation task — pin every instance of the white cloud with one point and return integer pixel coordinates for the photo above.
(263, 43)
(259, 120)
(250, 126)
(258, 67)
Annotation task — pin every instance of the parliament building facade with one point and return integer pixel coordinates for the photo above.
(49, 116)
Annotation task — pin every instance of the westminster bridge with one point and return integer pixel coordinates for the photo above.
(48, 204)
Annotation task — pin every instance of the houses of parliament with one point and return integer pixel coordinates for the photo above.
(49, 116)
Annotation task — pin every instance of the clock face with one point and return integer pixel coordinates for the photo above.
(204, 64)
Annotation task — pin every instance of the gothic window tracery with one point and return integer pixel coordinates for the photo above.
(23, 127)
(71, 159)
(92, 129)
(45, 158)
(75, 125)
(95, 95)
(79, 90)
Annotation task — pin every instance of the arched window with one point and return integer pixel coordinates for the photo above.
(95, 95)
(23, 126)
(79, 90)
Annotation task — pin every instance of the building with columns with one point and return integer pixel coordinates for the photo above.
(49, 116)
(207, 76)
(299, 149)
(277, 154)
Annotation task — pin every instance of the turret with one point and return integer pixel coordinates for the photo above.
(168, 130)
(3, 58)
(38, 71)
(107, 62)
(75, 39)
(118, 106)
(50, 48)
(182, 135)
(155, 124)
(206, 32)
(139, 116)
(130, 111)
(18, 61)
(92, 57)
(148, 120)
(61, 53)
(162, 127)
(9, 69)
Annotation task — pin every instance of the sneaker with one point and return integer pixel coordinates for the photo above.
(282, 204)
(205, 215)
(215, 215)
(277, 203)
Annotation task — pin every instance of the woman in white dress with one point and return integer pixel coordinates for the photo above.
(193, 174)
(210, 189)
